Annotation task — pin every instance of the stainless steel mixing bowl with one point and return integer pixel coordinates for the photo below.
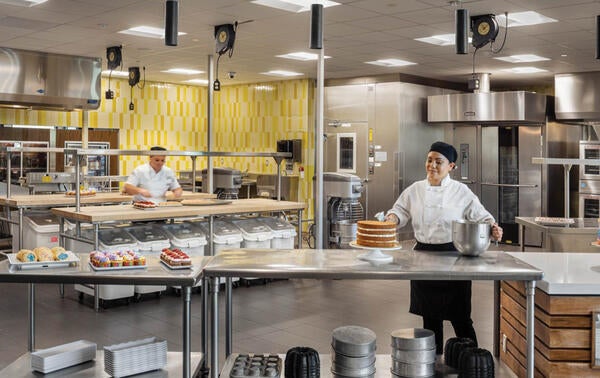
(470, 238)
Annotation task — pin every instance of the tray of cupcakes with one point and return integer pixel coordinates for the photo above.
(42, 257)
(116, 260)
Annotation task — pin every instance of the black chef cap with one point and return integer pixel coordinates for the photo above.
(157, 148)
(445, 149)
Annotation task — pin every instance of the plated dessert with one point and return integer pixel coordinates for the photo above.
(175, 257)
(373, 233)
(144, 205)
(116, 259)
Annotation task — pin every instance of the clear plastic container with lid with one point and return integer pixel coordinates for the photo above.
(256, 234)
(187, 237)
(282, 231)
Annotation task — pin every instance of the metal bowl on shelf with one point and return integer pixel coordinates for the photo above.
(470, 238)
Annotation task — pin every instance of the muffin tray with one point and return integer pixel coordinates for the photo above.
(256, 366)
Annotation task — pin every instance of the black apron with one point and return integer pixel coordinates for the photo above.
(444, 300)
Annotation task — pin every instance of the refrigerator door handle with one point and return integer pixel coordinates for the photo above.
(510, 185)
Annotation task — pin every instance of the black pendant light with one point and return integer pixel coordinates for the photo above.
(316, 26)
(171, 20)
(462, 31)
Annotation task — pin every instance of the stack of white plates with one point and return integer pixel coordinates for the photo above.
(62, 356)
(135, 357)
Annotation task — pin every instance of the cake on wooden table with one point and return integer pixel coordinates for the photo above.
(372, 233)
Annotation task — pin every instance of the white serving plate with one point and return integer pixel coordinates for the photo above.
(72, 260)
(62, 356)
(111, 268)
(176, 267)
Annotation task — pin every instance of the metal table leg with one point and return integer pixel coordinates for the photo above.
(228, 317)
(299, 228)
(187, 320)
(96, 286)
(530, 290)
(214, 335)
(522, 237)
(31, 308)
(204, 314)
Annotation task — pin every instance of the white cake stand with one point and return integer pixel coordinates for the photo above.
(375, 255)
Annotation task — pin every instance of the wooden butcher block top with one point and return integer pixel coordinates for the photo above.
(61, 199)
(129, 213)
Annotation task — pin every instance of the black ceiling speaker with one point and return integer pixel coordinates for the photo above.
(134, 75)
(316, 26)
(171, 21)
(224, 37)
(597, 37)
(113, 57)
(485, 29)
(461, 18)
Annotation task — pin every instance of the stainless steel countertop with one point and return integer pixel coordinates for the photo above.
(581, 226)
(340, 263)
(154, 274)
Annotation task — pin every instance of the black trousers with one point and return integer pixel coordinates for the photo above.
(437, 301)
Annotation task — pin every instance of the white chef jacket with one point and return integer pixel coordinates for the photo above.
(433, 208)
(157, 183)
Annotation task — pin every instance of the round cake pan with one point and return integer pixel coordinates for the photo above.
(352, 362)
(425, 356)
(333, 375)
(340, 370)
(353, 341)
(413, 339)
(412, 370)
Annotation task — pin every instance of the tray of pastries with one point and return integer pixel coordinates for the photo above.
(117, 260)
(42, 257)
(83, 193)
(144, 205)
(169, 204)
(175, 258)
(553, 221)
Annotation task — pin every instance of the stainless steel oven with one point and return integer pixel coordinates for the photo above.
(589, 198)
(589, 150)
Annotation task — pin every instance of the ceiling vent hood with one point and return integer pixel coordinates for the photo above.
(485, 107)
(39, 80)
(578, 97)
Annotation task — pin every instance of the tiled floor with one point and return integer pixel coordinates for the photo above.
(267, 318)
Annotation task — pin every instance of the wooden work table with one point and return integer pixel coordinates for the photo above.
(98, 214)
(61, 199)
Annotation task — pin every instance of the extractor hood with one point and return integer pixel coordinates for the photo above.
(39, 80)
(577, 97)
(485, 107)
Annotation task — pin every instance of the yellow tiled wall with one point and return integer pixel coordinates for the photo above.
(247, 118)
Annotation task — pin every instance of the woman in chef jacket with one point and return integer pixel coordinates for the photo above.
(431, 205)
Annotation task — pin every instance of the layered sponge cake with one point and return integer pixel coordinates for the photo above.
(372, 233)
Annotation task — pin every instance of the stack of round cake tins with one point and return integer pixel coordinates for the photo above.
(353, 352)
(413, 352)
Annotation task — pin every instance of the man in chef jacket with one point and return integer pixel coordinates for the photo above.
(151, 181)
(431, 205)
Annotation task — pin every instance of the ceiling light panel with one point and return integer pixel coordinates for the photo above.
(281, 73)
(524, 70)
(295, 6)
(23, 3)
(441, 39)
(524, 19)
(147, 31)
(303, 56)
(391, 62)
(183, 71)
(115, 73)
(197, 81)
(522, 58)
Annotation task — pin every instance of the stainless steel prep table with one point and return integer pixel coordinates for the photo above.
(154, 274)
(344, 264)
(576, 237)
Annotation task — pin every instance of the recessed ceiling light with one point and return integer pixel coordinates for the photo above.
(301, 56)
(295, 6)
(281, 73)
(115, 73)
(524, 70)
(23, 3)
(197, 81)
(147, 31)
(391, 62)
(441, 39)
(563, 55)
(524, 19)
(183, 71)
(522, 58)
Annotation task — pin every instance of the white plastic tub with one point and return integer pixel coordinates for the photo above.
(110, 239)
(187, 237)
(283, 232)
(40, 229)
(255, 233)
(225, 235)
(151, 240)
